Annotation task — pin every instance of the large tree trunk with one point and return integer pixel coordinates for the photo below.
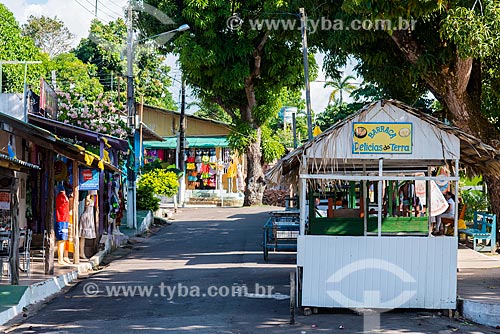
(458, 88)
(255, 185)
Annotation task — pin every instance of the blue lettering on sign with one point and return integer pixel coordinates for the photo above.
(400, 148)
(365, 147)
(382, 129)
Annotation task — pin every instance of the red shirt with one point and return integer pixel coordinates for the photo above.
(62, 207)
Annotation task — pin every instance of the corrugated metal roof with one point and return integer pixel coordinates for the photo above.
(19, 162)
(24, 129)
(71, 131)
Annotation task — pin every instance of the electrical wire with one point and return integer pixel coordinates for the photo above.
(114, 3)
(110, 10)
(92, 5)
(88, 10)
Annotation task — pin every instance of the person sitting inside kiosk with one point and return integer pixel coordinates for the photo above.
(449, 213)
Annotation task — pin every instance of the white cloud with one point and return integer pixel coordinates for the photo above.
(319, 94)
(76, 17)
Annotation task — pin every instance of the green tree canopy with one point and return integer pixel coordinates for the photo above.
(242, 69)
(15, 46)
(340, 86)
(104, 49)
(451, 50)
(75, 76)
(49, 34)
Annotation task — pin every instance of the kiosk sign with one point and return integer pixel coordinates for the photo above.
(382, 138)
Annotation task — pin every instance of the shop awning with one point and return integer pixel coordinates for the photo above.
(149, 134)
(44, 138)
(70, 131)
(15, 161)
(191, 142)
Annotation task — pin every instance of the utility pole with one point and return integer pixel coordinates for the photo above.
(182, 136)
(53, 79)
(294, 130)
(303, 26)
(118, 85)
(131, 177)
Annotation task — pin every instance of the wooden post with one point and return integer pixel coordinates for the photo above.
(101, 195)
(292, 298)
(140, 134)
(331, 205)
(352, 195)
(14, 244)
(49, 214)
(76, 236)
(390, 193)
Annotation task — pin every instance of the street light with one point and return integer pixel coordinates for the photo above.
(132, 120)
(303, 26)
(183, 27)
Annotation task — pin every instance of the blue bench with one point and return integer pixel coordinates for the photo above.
(483, 229)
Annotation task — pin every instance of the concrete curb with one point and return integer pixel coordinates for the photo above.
(480, 312)
(38, 292)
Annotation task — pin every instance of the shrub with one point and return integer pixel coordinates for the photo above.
(146, 200)
(160, 182)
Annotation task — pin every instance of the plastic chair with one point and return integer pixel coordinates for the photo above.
(4, 251)
(34, 251)
(25, 250)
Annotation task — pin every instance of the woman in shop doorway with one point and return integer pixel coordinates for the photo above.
(87, 224)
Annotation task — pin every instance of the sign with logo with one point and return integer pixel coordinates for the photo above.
(382, 138)
(89, 179)
(4, 200)
(48, 100)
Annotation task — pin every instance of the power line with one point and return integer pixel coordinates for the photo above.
(107, 13)
(111, 10)
(95, 13)
(88, 10)
(114, 3)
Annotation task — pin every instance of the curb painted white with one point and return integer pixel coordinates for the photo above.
(39, 291)
(481, 312)
(146, 223)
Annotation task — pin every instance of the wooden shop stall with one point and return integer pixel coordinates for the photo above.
(368, 193)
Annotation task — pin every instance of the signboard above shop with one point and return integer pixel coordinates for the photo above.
(89, 179)
(382, 138)
(48, 100)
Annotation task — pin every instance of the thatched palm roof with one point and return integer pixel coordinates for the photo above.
(476, 157)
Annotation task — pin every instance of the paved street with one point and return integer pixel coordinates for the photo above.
(205, 252)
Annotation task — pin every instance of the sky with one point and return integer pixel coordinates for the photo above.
(77, 15)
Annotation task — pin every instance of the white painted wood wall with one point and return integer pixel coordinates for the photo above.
(378, 272)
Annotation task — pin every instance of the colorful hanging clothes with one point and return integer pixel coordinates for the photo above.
(231, 171)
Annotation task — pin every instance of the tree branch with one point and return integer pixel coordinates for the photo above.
(463, 69)
(408, 45)
(218, 99)
(257, 55)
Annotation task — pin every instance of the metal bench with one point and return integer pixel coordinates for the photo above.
(483, 229)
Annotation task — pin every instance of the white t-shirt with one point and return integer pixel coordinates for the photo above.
(451, 203)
